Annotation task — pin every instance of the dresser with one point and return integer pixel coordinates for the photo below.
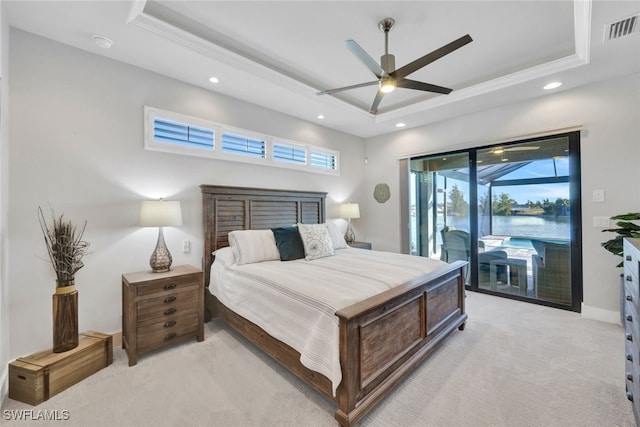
(631, 323)
(160, 309)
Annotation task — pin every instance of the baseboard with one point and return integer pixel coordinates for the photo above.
(4, 383)
(601, 314)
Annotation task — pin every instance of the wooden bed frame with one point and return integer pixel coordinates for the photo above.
(382, 339)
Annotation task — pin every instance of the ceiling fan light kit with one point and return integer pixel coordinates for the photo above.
(388, 76)
(387, 85)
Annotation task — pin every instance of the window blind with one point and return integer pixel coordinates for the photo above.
(182, 134)
(238, 144)
(289, 154)
(323, 160)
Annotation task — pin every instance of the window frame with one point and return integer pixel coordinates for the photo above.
(217, 151)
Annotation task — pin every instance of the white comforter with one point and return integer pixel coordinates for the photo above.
(296, 301)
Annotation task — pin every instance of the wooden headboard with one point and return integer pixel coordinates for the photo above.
(225, 209)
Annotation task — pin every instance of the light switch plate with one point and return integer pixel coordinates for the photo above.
(598, 196)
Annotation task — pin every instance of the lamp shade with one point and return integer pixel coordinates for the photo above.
(160, 213)
(349, 210)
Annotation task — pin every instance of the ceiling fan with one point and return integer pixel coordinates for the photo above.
(388, 76)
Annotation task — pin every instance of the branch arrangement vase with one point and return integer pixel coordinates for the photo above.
(66, 249)
(65, 318)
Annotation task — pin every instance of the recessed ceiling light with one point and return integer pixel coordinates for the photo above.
(214, 79)
(102, 41)
(552, 85)
(320, 116)
(400, 125)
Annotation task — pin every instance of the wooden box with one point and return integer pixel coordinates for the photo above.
(35, 378)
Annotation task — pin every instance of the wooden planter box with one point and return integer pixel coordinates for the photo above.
(35, 378)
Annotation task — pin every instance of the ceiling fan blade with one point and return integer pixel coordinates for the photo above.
(376, 102)
(340, 89)
(366, 59)
(427, 87)
(431, 57)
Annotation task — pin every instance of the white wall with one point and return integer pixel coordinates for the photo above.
(610, 115)
(4, 205)
(76, 144)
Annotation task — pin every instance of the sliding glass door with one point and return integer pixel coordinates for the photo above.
(440, 203)
(511, 210)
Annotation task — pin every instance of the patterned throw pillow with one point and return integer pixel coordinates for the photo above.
(316, 240)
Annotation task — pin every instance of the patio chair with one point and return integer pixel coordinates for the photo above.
(551, 271)
(456, 246)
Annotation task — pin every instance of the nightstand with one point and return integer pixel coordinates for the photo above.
(360, 245)
(159, 309)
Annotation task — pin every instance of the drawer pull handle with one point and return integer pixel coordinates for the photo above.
(22, 377)
(628, 258)
(170, 336)
(629, 279)
(630, 396)
(629, 318)
(630, 357)
(629, 376)
(169, 286)
(169, 311)
(169, 299)
(170, 323)
(629, 337)
(629, 298)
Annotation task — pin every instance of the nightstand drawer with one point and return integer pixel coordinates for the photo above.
(189, 320)
(167, 299)
(162, 333)
(183, 303)
(169, 284)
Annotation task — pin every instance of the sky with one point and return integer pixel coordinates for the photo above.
(523, 193)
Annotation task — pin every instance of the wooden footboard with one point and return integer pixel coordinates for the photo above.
(383, 338)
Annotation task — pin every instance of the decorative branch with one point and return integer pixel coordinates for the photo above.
(64, 245)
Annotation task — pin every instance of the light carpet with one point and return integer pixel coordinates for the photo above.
(515, 364)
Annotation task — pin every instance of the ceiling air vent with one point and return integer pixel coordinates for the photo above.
(622, 27)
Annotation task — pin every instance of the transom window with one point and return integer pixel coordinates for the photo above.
(182, 134)
(179, 134)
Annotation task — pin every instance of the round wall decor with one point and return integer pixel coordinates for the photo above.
(381, 193)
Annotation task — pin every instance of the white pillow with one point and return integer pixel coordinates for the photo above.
(337, 238)
(224, 256)
(316, 240)
(251, 246)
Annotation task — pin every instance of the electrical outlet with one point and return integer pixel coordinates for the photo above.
(601, 222)
(186, 246)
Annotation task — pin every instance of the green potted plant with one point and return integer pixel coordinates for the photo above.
(66, 248)
(626, 228)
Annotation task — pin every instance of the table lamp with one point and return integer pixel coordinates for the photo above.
(348, 211)
(160, 213)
